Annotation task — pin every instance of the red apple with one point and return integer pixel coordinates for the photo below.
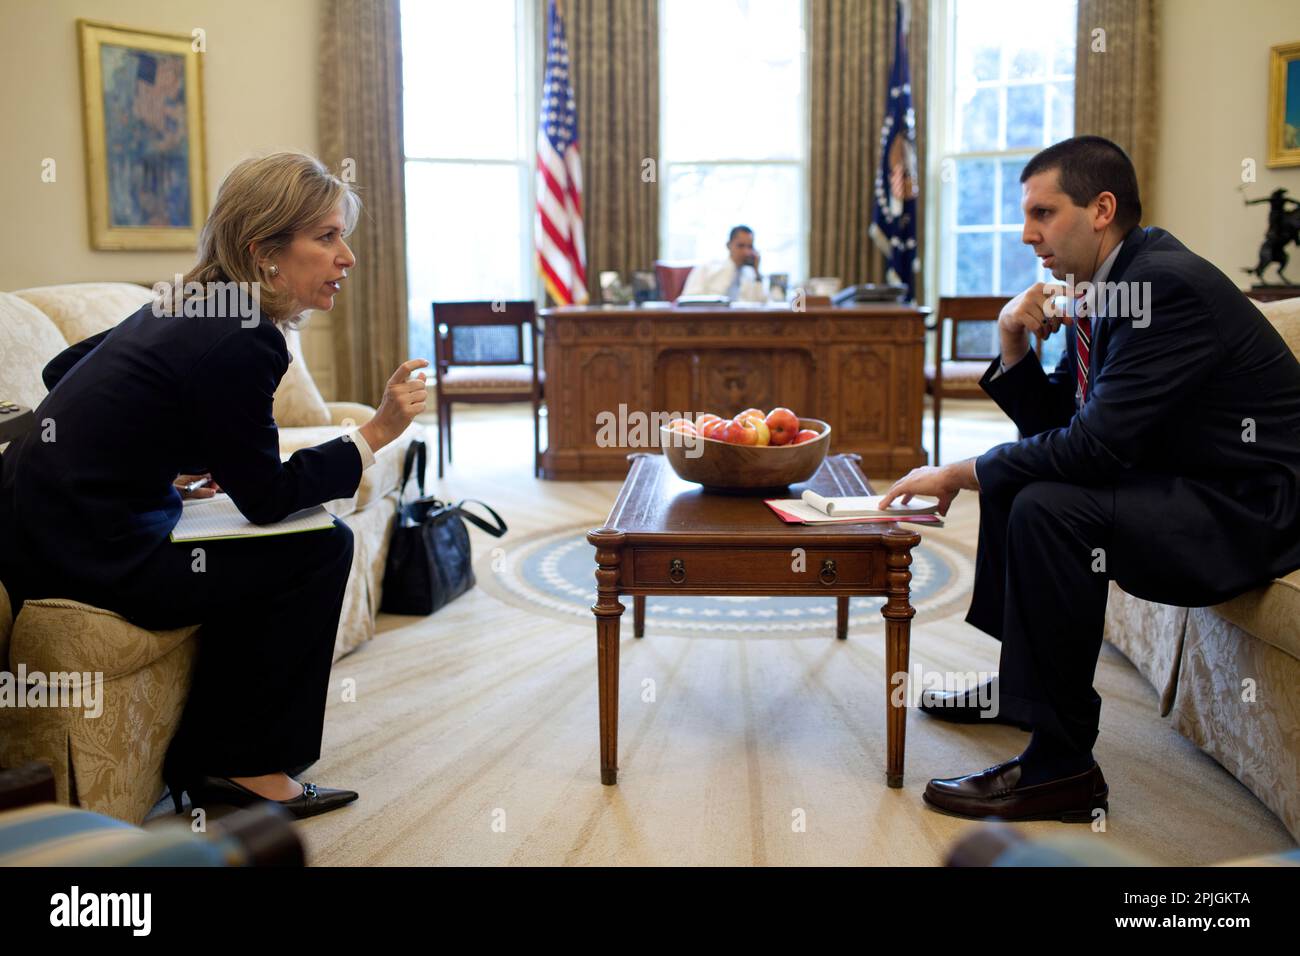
(806, 434)
(750, 411)
(783, 424)
(681, 425)
(740, 432)
(705, 419)
(713, 429)
(764, 433)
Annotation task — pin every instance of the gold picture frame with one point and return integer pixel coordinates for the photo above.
(146, 162)
(1284, 105)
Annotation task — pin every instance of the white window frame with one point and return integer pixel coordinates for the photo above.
(803, 229)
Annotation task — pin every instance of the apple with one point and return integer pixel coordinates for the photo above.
(764, 433)
(713, 429)
(681, 425)
(783, 425)
(705, 419)
(750, 411)
(804, 435)
(740, 432)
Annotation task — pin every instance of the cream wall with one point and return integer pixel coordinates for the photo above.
(1213, 114)
(259, 86)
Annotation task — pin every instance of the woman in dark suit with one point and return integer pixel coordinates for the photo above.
(180, 390)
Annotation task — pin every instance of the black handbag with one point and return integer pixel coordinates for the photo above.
(429, 561)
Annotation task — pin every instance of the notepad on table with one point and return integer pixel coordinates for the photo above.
(217, 518)
(868, 506)
(797, 511)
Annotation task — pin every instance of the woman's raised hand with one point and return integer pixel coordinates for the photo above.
(404, 398)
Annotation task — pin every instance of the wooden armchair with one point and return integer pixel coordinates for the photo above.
(972, 344)
(479, 357)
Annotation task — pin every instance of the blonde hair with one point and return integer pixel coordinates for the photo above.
(267, 201)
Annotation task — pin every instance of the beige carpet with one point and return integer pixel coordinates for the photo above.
(473, 736)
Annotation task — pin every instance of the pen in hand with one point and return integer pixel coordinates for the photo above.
(194, 486)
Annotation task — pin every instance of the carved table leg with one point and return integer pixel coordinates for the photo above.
(608, 610)
(638, 616)
(842, 618)
(898, 613)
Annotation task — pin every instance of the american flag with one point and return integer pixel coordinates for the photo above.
(893, 220)
(561, 253)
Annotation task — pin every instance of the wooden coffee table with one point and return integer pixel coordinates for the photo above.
(668, 536)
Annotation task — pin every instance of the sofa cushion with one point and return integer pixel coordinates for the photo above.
(57, 634)
(1285, 316)
(298, 402)
(83, 309)
(484, 379)
(1270, 613)
(28, 340)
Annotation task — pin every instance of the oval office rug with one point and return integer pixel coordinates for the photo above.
(554, 574)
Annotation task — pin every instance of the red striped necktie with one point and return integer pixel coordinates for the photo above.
(1083, 348)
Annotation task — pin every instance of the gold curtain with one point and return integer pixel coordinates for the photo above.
(614, 52)
(850, 51)
(1115, 78)
(360, 123)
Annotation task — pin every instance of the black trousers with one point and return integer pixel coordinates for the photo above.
(269, 609)
(1046, 553)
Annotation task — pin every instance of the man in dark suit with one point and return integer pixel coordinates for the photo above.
(1162, 453)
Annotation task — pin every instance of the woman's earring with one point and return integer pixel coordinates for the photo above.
(274, 270)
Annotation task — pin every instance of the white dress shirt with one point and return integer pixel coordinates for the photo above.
(363, 447)
(723, 278)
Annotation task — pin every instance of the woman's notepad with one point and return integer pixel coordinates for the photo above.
(217, 518)
(869, 506)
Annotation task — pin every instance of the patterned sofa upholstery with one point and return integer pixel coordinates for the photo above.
(1229, 676)
(113, 763)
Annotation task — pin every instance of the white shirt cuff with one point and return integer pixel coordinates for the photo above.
(363, 448)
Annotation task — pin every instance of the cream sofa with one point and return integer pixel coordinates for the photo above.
(113, 763)
(1229, 676)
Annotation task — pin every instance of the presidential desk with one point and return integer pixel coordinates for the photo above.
(859, 368)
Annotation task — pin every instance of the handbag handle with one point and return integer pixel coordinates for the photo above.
(474, 519)
(417, 449)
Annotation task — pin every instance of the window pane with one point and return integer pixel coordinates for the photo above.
(732, 79)
(974, 263)
(1025, 115)
(464, 235)
(975, 339)
(450, 48)
(975, 192)
(1019, 265)
(1027, 60)
(1011, 191)
(708, 200)
(1053, 351)
(1061, 99)
(979, 121)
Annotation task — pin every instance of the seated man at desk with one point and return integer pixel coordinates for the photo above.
(736, 277)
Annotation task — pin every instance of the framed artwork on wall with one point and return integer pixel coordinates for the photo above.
(142, 106)
(1284, 105)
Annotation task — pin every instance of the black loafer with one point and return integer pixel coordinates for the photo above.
(997, 793)
(312, 801)
(966, 707)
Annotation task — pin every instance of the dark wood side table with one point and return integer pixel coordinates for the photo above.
(668, 536)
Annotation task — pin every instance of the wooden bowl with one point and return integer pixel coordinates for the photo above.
(726, 467)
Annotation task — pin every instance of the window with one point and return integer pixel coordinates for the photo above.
(467, 79)
(1008, 92)
(733, 130)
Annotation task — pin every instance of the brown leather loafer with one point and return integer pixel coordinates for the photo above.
(995, 793)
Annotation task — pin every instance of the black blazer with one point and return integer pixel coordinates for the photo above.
(1172, 399)
(87, 494)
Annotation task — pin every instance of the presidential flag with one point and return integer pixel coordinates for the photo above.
(893, 220)
(561, 253)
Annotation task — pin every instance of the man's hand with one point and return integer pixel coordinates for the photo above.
(1033, 312)
(404, 398)
(938, 482)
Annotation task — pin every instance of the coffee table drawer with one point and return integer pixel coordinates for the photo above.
(695, 567)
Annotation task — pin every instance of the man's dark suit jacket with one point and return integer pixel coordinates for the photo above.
(1167, 419)
(129, 410)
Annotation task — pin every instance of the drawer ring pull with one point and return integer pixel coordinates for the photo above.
(828, 574)
(676, 571)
